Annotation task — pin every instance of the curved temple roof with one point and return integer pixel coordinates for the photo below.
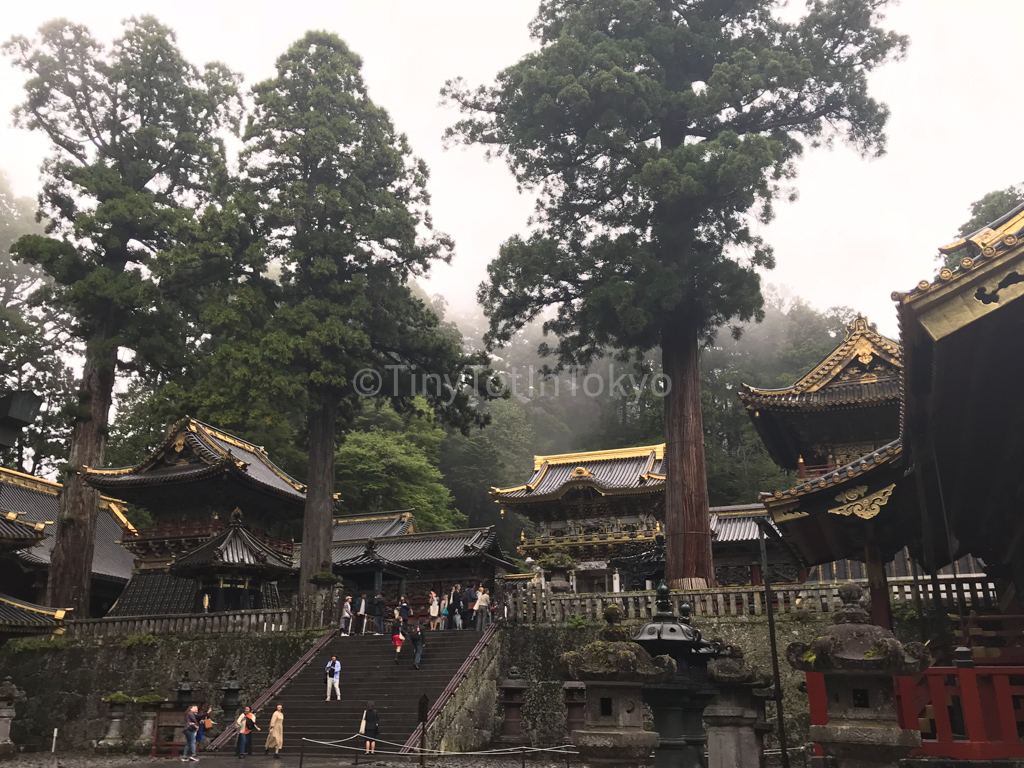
(217, 452)
(613, 472)
(233, 549)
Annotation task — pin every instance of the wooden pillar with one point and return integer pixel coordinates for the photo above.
(878, 585)
(378, 582)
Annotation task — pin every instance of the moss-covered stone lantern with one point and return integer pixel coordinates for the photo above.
(858, 661)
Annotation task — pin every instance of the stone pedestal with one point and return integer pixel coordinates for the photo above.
(9, 696)
(145, 739)
(513, 695)
(114, 739)
(858, 661)
(735, 719)
(613, 732)
(614, 673)
(575, 695)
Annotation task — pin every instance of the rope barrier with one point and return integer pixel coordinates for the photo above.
(562, 749)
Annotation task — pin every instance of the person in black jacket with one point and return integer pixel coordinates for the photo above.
(404, 611)
(417, 643)
(455, 608)
(362, 610)
(380, 607)
(191, 729)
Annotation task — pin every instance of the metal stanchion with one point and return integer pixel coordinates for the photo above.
(302, 750)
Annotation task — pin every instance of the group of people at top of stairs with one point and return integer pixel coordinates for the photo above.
(456, 609)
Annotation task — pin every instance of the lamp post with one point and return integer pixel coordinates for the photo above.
(678, 704)
(185, 688)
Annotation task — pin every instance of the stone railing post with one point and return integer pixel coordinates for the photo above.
(10, 695)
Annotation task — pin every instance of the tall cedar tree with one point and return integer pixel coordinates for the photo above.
(134, 131)
(655, 132)
(342, 204)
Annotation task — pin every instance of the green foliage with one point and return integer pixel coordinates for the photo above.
(150, 698)
(652, 132)
(392, 463)
(37, 644)
(579, 622)
(31, 345)
(118, 697)
(556, 561)
(139, 640)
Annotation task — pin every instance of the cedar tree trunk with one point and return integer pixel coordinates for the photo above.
(687, 527)
(318, 519)
(68, 584)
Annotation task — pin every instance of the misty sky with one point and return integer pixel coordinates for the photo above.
(858, 231)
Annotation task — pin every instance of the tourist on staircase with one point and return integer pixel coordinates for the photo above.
(370, 727)
(417, 643)
(346, 616)
(275, 736)
(455, 608)
(332, 676)
(246, 725)
(483, 610)
(468, 604)
(434, 610)
(398, 638)
(380, 606)
(361, 613)
(404, 611)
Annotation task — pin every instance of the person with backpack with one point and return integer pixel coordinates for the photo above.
(370, 727)
(468, 604)
(332, 676)
(416, 635)
(191, 730)
(246, 723)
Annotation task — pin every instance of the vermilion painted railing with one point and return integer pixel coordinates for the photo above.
(414, 740)
(965, 713)
(275, 688)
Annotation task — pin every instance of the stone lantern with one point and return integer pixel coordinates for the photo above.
(615, 672)
(10, 695)
(513, 695)
(231, 688)
(185, 689)
(735, 719)
(858, 661)
(678, 703)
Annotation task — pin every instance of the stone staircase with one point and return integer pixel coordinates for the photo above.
(368, 672)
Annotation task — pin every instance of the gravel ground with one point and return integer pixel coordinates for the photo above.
(287, 761)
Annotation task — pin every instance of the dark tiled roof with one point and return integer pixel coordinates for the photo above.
(218, 452)
(423, 547)
(375, 526)
(620, 471)
(233, 549)
(16, 533)
(848, 393)
(18, 616)
(151, 593)
(737, 523)
(37, 499)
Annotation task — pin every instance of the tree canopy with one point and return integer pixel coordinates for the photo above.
(137, 157)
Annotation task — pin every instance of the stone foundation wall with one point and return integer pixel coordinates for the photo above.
(535, 650)
(67, 680)
(468, 721)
